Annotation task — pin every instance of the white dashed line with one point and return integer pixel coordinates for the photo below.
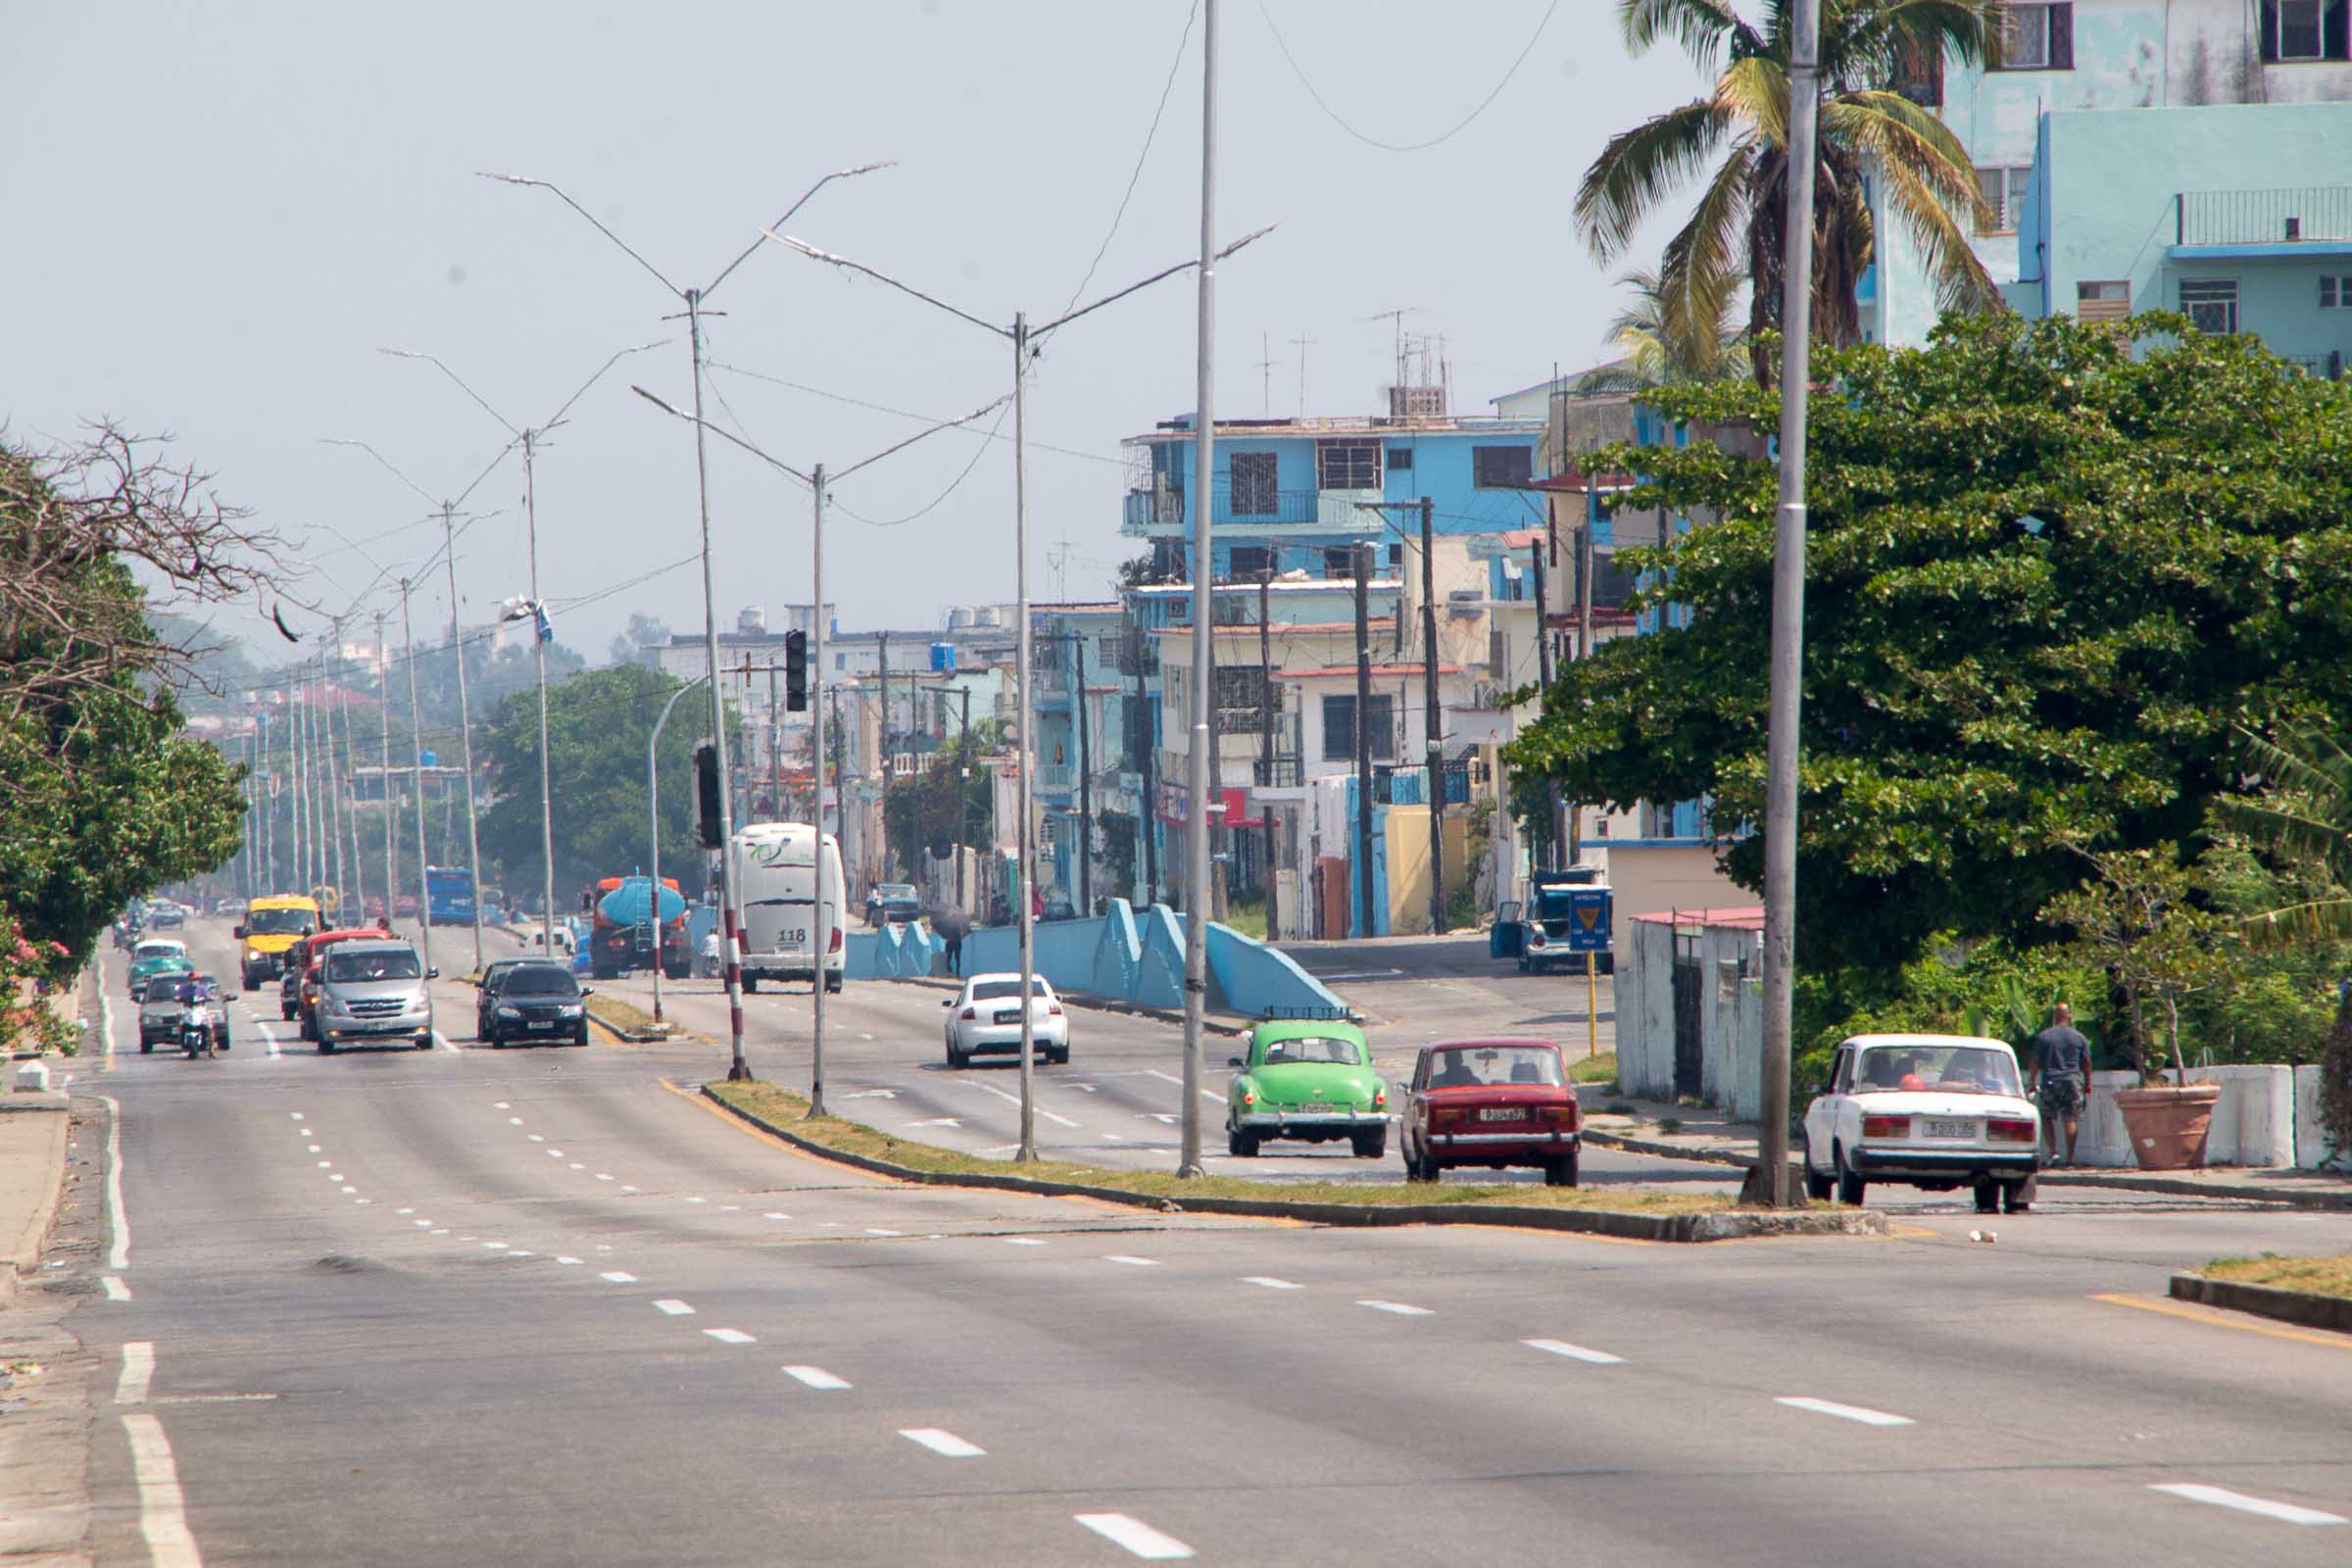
(568, 1262)
(673, 1306)
(576, 1165)
(520, 1254)
(1015, 1099)
(500, 1105)
(2222, 1497)
(116, 1290)
(616, 1277)
(876, 1230)
(138, 1370)
(1132, 1261)
(1574, 1353)
(495, 1246)
(422, 1224)
(296, 1115)
(536, 1138)
(1270, 1283)
(1023, 1241)
(1844, 1412)
(945, 1443)
(1400, 1308)
(514, 1121)
(604, 1176)
(730, 1337)
(626, 1188)
(404, 1211)
(776, 1216)
(163, 1510)
(555, 1153)
(316, 1150)
(326, 1164)
(698, 1200)
(816, 1377)
(1136, 1536)
(1171, 1078)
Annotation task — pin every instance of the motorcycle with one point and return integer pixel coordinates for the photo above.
(196, 1030)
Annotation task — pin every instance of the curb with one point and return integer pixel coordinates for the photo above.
(1088, 1000)
(45, 1203)
(2333, 1312)
(636, 1037)
(1593, 1221)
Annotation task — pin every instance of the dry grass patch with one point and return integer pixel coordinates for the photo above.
(2318, 1275)
(628, 1019)
(788, 1109)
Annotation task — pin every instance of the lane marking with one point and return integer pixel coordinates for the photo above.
(724, 1208)
(576, 1165)
(1843, 1412)
(495, 1246)
(138, 1370)
(2222, 1497)
(698, 1200)
(514, 1121)
(117, 1253)
(163, 1510)
(296, 1115)
(730, 1337)
(626, 1188)
(1132, 1260)
(1171, 1078)
(314, 1149)
(1574, 1353)
(1136, 1536)
(604, 1175)
(536, 1138)
(442, 1042)
(520, 1254)
(555, 1153)
(2220, 1320)
(404, 1211)
(616, 1277)
(673, 1306)
(326, 1164)
(777, 1216)
(422, 1224)
(568, 1262)
(945, 1443)
(816, 1377)
(1014, 1100)
(1022, 1240)
(1269, 1282)
(116, 1290)
(1400, 1308)
(500, 1105)
(876, 1230)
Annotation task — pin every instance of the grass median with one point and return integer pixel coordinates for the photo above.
(621, 1016)
(2315, 1276)
(785, 1108)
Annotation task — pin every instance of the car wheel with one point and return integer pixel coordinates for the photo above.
(425, 1042)
(751, 985)
(1560, 1170)
(1817, 1184)
(326, 1047)
(580, 1036)
(1059, 1057)
(1370, 1146)
(1988, 1195)
(1850, 1187)
(1241, 1144)
(145, 1045)
(2018, 1196)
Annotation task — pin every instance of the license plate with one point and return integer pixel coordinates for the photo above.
(1502, 1113)
(1951, 1129)
(1316, 1107)
(540, 1023)
(1010, 1015)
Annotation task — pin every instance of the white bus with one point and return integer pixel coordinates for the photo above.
(773, 865)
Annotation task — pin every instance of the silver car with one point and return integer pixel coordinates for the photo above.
(374, 991)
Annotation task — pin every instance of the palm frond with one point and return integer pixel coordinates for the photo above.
(2299, 925)
(1703, 266)
(1704, 27)
(2305, 759)
(1755, 91)
(1924, 182)
(1638, 167)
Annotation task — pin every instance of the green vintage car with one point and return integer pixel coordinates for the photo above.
(1310, 1079)
(145, 969)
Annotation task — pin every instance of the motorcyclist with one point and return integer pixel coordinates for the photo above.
(199, 991)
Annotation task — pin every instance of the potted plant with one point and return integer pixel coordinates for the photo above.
(2136, 919)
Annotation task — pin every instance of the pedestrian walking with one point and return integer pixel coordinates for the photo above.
(2062, 1077)
(951, 928)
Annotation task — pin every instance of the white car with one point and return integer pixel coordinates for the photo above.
(986, 1016)
(1932, 1111)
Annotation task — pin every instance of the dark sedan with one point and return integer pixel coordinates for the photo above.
(536, 1000)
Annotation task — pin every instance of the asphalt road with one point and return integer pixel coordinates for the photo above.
(533, 1307)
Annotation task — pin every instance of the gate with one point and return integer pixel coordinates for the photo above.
(1690, 1040)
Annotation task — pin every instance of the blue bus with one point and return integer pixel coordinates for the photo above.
(448, 894)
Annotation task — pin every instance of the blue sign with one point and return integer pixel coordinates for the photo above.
(1588, 917)
(943, 659)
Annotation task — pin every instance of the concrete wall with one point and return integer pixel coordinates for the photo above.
(2311, 1134)
(1650, 878)
(2253, 1122)
(1645, 990)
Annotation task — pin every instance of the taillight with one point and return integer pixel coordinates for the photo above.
(970, 1013)
(2007, 1130)
(1380, 1097)
(1053, 1011)
(834, 946)
(1885, 1126)
(1446, 1116)
(1558, 1115)
(1248, 1097)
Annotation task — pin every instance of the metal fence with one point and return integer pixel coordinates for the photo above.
(2262, 216)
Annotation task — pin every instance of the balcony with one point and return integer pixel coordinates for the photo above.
(2277, 221)
(1277, 772)
(1054, 778)
(1152, 514)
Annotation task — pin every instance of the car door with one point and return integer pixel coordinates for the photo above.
(1414, 1133)
(1821, 1114)
(1508, 938)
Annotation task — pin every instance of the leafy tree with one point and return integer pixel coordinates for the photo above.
(2052, 567)
(2139, 919)
(644, 631)
(1736, 137)
(1658, 346)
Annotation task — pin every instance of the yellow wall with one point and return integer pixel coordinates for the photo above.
(1409, 865)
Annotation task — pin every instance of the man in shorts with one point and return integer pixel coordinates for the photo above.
(2062, 1075)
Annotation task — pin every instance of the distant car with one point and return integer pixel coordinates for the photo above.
(535, 1001)
(1060, 909)
(153, 956)
(223, 907)
(371, 989)
(1932, 1111)
(891, 901)
(985, 1016)
(1310, 1079)
(165, 915)
(1493, 1103)
(304, 959)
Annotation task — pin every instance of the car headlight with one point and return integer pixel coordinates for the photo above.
(505, 1011)
(571, 1010)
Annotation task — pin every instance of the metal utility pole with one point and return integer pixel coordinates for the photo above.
(1086, 789)
(1147, 816)
(1025, 710)
(408, 655)
(1265, 737)
(1204, 446)
(1551, 791)
(964, 799)
(1363, 739)
(1431, 726)
(351, 777)
(653, 825)
(383, 715)
(456, 649)
(297, 702)
(1788, 613)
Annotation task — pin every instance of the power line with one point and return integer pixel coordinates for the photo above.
(1137, 173)
(902, 414)
(1458, 125)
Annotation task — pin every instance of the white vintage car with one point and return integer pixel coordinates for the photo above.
(1933, 1112)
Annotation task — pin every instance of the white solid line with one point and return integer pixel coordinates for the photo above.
(946, 1443)
(106, 1018)
(1574, 1353)
(116, 1290)
(1128, 1258)
(673, 1306)
(1844, 1412)
(1136, 1536)
(730, 1337)
(876, 1230)
(163, 1511)
(1015, 1099)
(117, 1253)
(1171, 1078)
(138, 1370)
(1400, 1308)
(1271, 1283)
(1023, 1241)
(616, 1277)
(441, 1042)
(816, 1377)
(2221, 1497)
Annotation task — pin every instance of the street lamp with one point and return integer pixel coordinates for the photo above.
(1022, 335)
(653, 820)
(820, 934)
(730, 911)
(529, 437)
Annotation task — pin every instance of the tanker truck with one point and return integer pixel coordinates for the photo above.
(622, 936)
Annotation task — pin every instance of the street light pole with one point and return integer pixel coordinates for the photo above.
(1023, 711)
(383, 716)
(1205, 636)
(652, 827)
(457, 647)
(408, 655)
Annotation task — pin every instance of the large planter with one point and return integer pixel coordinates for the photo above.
(2167, 1124)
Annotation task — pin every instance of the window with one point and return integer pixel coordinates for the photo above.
(1919, 76)
(1240, 690)
(1339, 563)
(1401, 459)
(1396, 555)
(2210, 303)
(1253, 490)
(2038, 37)
(2335, 292)
(2108, 300)
(1339, 726)
(1348, 465)
(1502, 467)
(2303, 29)
(2003, 190)
(1247, 563)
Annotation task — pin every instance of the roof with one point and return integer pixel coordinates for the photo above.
(1376, 669)
(1303, 1029)
(1923, 1040)
(1748, 918)
(1180, 428)
(1282, 628)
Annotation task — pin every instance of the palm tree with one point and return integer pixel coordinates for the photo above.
(1740, 133)
(2306, 813)
(1659, 347)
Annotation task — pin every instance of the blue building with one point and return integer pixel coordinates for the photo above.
(1081, 657)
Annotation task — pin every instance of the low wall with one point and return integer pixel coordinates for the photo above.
(1645, 990)
(2311, 1134)
(2254, 1123)
(894, 952)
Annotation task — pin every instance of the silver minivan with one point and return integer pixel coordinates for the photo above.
(371, 991)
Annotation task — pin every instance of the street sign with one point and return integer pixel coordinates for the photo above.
(1588, 918)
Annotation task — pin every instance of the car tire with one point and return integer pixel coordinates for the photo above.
(1850, 1187)
(145, 1045)
(326, 1047)
(580, 1036)
(2016, 1196)
(425, 1042)
(751, 985)
(1059, 1057)
(1988, 1196)
(1560, 1170)
(1817, 1184)
(1241, 1145)
(956, 1060)
(1370, 1146)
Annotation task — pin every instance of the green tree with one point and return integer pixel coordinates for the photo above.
(1661, 347)
(2139, 918)
(2047, 576)
(1736, 136)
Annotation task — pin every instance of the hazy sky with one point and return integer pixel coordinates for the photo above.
(219, 213)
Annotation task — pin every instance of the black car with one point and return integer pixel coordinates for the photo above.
(491, 974)
(535, 1001)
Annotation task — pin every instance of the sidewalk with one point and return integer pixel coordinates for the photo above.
(1706, 1134)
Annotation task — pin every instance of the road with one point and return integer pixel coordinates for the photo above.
(538, 1306)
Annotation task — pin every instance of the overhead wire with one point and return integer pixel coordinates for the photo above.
(1458, 126)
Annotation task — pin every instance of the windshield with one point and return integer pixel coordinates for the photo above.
(280, 922)
(1495, 1065)
(163, 988)
(540, 980)
(1951, 1069)
(994, 989)
(343, 964)
(160, 949)
(1330, 1049)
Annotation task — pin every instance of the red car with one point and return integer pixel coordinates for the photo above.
(1492, 1103)
(299, 997)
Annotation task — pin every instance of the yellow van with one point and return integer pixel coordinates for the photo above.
(271, 926)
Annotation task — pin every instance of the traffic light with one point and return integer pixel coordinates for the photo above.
(705, 796)
(796, 672)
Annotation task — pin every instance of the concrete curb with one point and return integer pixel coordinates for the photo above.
(2333, 1312)
(1088, 1000)
(47, 1190)
(637, 1037)
(1590, 1221)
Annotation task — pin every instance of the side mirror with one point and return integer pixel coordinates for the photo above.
(949, 1003)
(238, 931)
(432, 974)
(587, 990)
(1233, 1062)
